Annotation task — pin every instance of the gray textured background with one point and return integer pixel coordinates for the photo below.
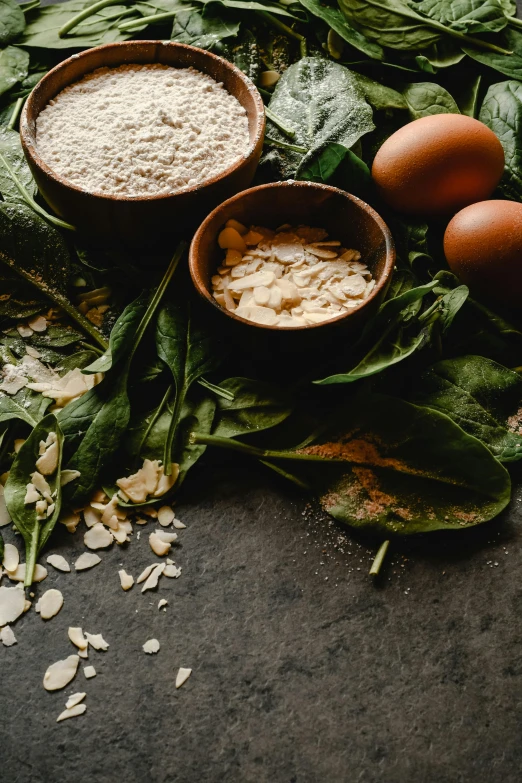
(303, 671)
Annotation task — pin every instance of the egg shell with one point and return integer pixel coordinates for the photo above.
(439, 164)
(483, 247)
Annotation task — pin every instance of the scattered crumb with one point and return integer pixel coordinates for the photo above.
(75, 699)
(89, 672)
(126, 580)
(151, 647)
(97, 641)
(162, 603)
(7, 636)
(73, 712)
(182, 676)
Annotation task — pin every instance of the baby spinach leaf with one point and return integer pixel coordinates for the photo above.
(196, 416)
(11, 150)
(25, 405)
(202, 29)
(379, 95)
(335, 19)
(390, 23)
(480, 396)
(411, 241)
(338, 166)
(245, 54)
(468, 16)
(34, 532)
(426, 98)
(322, 103)
(12, 21)
(121, 337)
(502, 112)
(186, 348)
(509, 65)
(466, 94)
(442, 54)
(14, 65)
(42, 29)
(256, 406)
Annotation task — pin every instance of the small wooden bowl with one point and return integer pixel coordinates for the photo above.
(344, 216)
(141, 220)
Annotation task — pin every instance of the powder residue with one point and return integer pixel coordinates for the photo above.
(140, 130)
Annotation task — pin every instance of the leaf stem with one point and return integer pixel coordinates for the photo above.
(253, 451)
(224, 393)
(157, 413)
(284, 28)
(282, 145)
(30, 201)
(29, 5)
(290, 132)
(31, 554)
(286, 475)
(85, 14)
(379, 558)
(135, 24)
(90, 347)
(512, 20)
(15, 113)
(118, 15)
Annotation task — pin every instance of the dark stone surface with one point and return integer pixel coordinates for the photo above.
(302, 669)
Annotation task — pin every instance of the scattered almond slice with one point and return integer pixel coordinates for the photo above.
(66, 476)
(24, 330)
(73, 712)
(40, 483)
(165, 516)
(98, 537)
(172, 572)
(11, 557)
(59, 562)
(60, 674)
(91, 516)
(151, 647)
(152, 580)
(75, 699)
(97, 641)
(71, 521)
(87, 560)
(158, 546)
(7, 636)
(31, 494)
(89, 672)
(145, 573)
(77, 638)
(182, 676)
(162, 603)
(83, 653)
(120, 534)
(166, 536)
(126, 580)
(5, 519)
(38, 323)
(49, 604)
(40, 573)
(48, 462)
(165, 483)
(178, 524)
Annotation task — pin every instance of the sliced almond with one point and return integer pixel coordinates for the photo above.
(60, 674)
(31, 494)
(165, 516)
(145, 573)
(11, 557)
(66, 476)
(48, 462)
(166, 536)
(158, 546)
(75, 699)
(165, 483)
(126, 580)
(7, 636)
(72, 712)
(59, 562)
(77, 638)
(87, 560)
(178, 524)
(162, 603)
(39, 574)
(151, 646)
(71, 521)
(97, 641)
(152, 580)
(182, 676)
(89, 672)
(98, 537)
(40, 483)
(172, 572)
(49, 604)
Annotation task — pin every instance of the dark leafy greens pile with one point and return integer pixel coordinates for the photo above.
(409, 429)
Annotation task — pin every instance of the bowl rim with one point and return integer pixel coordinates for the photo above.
(28, 136)
(380, 285)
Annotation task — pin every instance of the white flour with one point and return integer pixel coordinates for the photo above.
(142, 130)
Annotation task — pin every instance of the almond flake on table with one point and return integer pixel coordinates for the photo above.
(171, 571)
(11, 557)
(77, 638)
(87, 560)
(182, 676)
(162, 603)
(165, 516)
(7, 636)
(97, 641)
(75, 699)
(151, 646)
(72, 712)
(158, 545)
(126, 580)
(145, 573)
(153, 579)
(49, 604)
(178, 524)
(71, 521)
(89, 672)
(59, 562)
(60, 674)
(98, 537)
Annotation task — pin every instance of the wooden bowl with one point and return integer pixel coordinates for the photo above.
(344, 216)
(141, 220)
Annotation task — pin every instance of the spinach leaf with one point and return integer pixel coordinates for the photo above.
(196, 416)
(42, 29)
(442, 54)
(411, 242)
(25, 405)
(256, 406)
(502, 112)
(334, 19)
(121, 337)
(35, 532)
(378, 95)
(245, 54)
(322, 103)
(468, 16)
(338, 166)
(203, 29)
(426, 98)
(12, 21)
(14, 65)
(480, 396)
(509, 65)
(467, 94)
(187, 349)
(390, 23)
(37, 252)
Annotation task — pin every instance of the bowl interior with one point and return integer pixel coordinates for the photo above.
(344, 216)
(140, 52)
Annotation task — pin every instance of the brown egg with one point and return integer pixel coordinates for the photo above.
(483, 247)
(438, 165)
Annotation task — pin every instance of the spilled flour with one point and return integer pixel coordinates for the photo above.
(140, 130)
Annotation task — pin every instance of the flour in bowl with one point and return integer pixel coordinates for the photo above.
(142, 130)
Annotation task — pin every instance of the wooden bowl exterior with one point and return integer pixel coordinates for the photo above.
(344, 216)
(143, 220)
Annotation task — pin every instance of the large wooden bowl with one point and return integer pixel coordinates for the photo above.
(344, 216)
(141, 219)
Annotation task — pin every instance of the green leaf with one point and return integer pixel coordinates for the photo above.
(480, 396)
(203, 29)
(335, 19)
(426, 98)
(468, 16)
(408, 469)
(25, 405)
(467, 94)
(390, 23)
(196, 416)
(12, 21)
(121, 337)
(338, 166)
(42, 29)
(321, 101)
(34, 532)
(378, 95)
(502, 112)
(509, 65)
(256, 406)
(14, 65)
